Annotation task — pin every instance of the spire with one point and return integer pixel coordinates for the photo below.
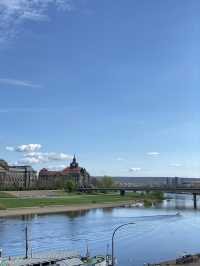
(74, 163)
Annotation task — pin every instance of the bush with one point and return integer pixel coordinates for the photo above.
(70, 186)
(147, 203)
(157, 195)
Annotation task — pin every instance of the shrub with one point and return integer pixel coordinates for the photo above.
(157, 195)
(147, 203)
(70, 186)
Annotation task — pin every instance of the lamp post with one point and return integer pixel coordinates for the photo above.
(26, 235)
(113, 236)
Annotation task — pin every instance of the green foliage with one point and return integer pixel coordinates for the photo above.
(147, 203)
(157, 195)
(105, 182)
(70, 186)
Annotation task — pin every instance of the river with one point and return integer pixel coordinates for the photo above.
(158, 234)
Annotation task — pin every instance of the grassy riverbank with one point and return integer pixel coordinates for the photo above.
(5, 195)
(77, 199)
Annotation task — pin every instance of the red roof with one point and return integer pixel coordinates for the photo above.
(69, 170)
(66, 171)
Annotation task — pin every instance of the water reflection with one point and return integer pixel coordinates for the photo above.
(158, 233)
(75, 214)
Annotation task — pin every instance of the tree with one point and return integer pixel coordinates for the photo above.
(106, 182)
(70, 186)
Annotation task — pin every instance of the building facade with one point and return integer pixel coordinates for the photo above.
(54, 179)
(17, 177)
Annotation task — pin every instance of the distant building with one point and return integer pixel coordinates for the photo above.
(53, 179)
(174, 181)
(16, 177)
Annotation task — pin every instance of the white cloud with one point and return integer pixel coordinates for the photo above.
(59, 156)
(35, 157)
(32, 154)
(8, 148)
(56, 167)
(28, 161)
(28, 147)
(120, 159)
(135, 169)
(15, 12)
(175, 165)
(22, 83)
(34, 16)
(153, 153)
(25, 148)
(43, 157)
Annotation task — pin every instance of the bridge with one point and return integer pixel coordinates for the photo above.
(165, 189)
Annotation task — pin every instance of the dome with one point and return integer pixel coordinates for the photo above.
(44, 170)
(4, 164)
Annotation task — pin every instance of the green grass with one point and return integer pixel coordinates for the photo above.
(70, 200)
(6, 195)
(2, 207)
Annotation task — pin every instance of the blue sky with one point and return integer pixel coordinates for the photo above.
(116, 82)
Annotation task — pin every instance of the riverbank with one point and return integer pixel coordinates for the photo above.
(58, 209)
(22, 206)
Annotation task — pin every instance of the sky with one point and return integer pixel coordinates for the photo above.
(115, 82)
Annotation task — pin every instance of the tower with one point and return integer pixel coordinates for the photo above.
(74, 163)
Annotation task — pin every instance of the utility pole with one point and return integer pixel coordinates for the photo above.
(26, 236)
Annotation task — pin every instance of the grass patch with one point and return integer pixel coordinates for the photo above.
(75, 199)
(6, 195)
(2, 207)
(68, 200)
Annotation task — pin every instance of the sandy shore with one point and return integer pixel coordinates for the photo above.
(57, 209)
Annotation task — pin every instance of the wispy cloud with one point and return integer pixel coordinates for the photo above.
(153, 153)
(9, 148)
(44, 157)
(25, 148)
(13, 13)
(22, 83)
(135, 169)
(56, 167)
(120, 159)
(175, 165)
(33, 155)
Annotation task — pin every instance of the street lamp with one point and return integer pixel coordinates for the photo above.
(113, 235)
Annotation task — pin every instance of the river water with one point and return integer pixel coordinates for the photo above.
(158, 233)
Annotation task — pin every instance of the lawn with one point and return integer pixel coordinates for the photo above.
(68, 200)
(6, 195)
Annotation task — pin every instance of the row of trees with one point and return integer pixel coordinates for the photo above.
(105, 182)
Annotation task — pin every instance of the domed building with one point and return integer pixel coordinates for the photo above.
(16, 177)
(54, 179)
